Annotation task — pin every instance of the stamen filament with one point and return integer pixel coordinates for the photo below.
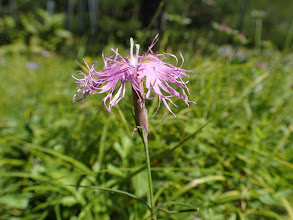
(137, 53)
(133, 60)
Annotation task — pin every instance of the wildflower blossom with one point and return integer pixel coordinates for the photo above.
(32, 65)
(160, 74)
(224, 27)
(149, 67)
(45, 53)
(261, 64)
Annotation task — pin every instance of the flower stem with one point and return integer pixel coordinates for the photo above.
(141, 120)
(149, 174)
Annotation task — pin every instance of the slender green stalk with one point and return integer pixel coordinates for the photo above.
(289, 37)
(141, 120)
(149, 173)
(258, 31)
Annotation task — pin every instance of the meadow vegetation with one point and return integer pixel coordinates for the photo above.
(230, 154)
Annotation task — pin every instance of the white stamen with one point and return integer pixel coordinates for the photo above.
(137, 52)
(131, 50)
(134, 60)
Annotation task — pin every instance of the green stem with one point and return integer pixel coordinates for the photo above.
(149, 173)
(289, 37)
(258, 31)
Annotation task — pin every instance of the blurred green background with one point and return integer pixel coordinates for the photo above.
(231, 154)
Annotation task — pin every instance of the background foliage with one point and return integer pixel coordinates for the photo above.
(230, 154)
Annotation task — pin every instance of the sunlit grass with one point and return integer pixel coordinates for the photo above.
(239, 165)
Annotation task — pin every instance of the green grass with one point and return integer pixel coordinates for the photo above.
(231, 155)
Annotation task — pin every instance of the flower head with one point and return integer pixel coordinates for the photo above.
(32, 65)
(224, 27)
(159, 76)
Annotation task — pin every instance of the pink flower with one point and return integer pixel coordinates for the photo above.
(159, 76)
(32, 65)
(224, 27)
(241, 36)
(261, 64)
